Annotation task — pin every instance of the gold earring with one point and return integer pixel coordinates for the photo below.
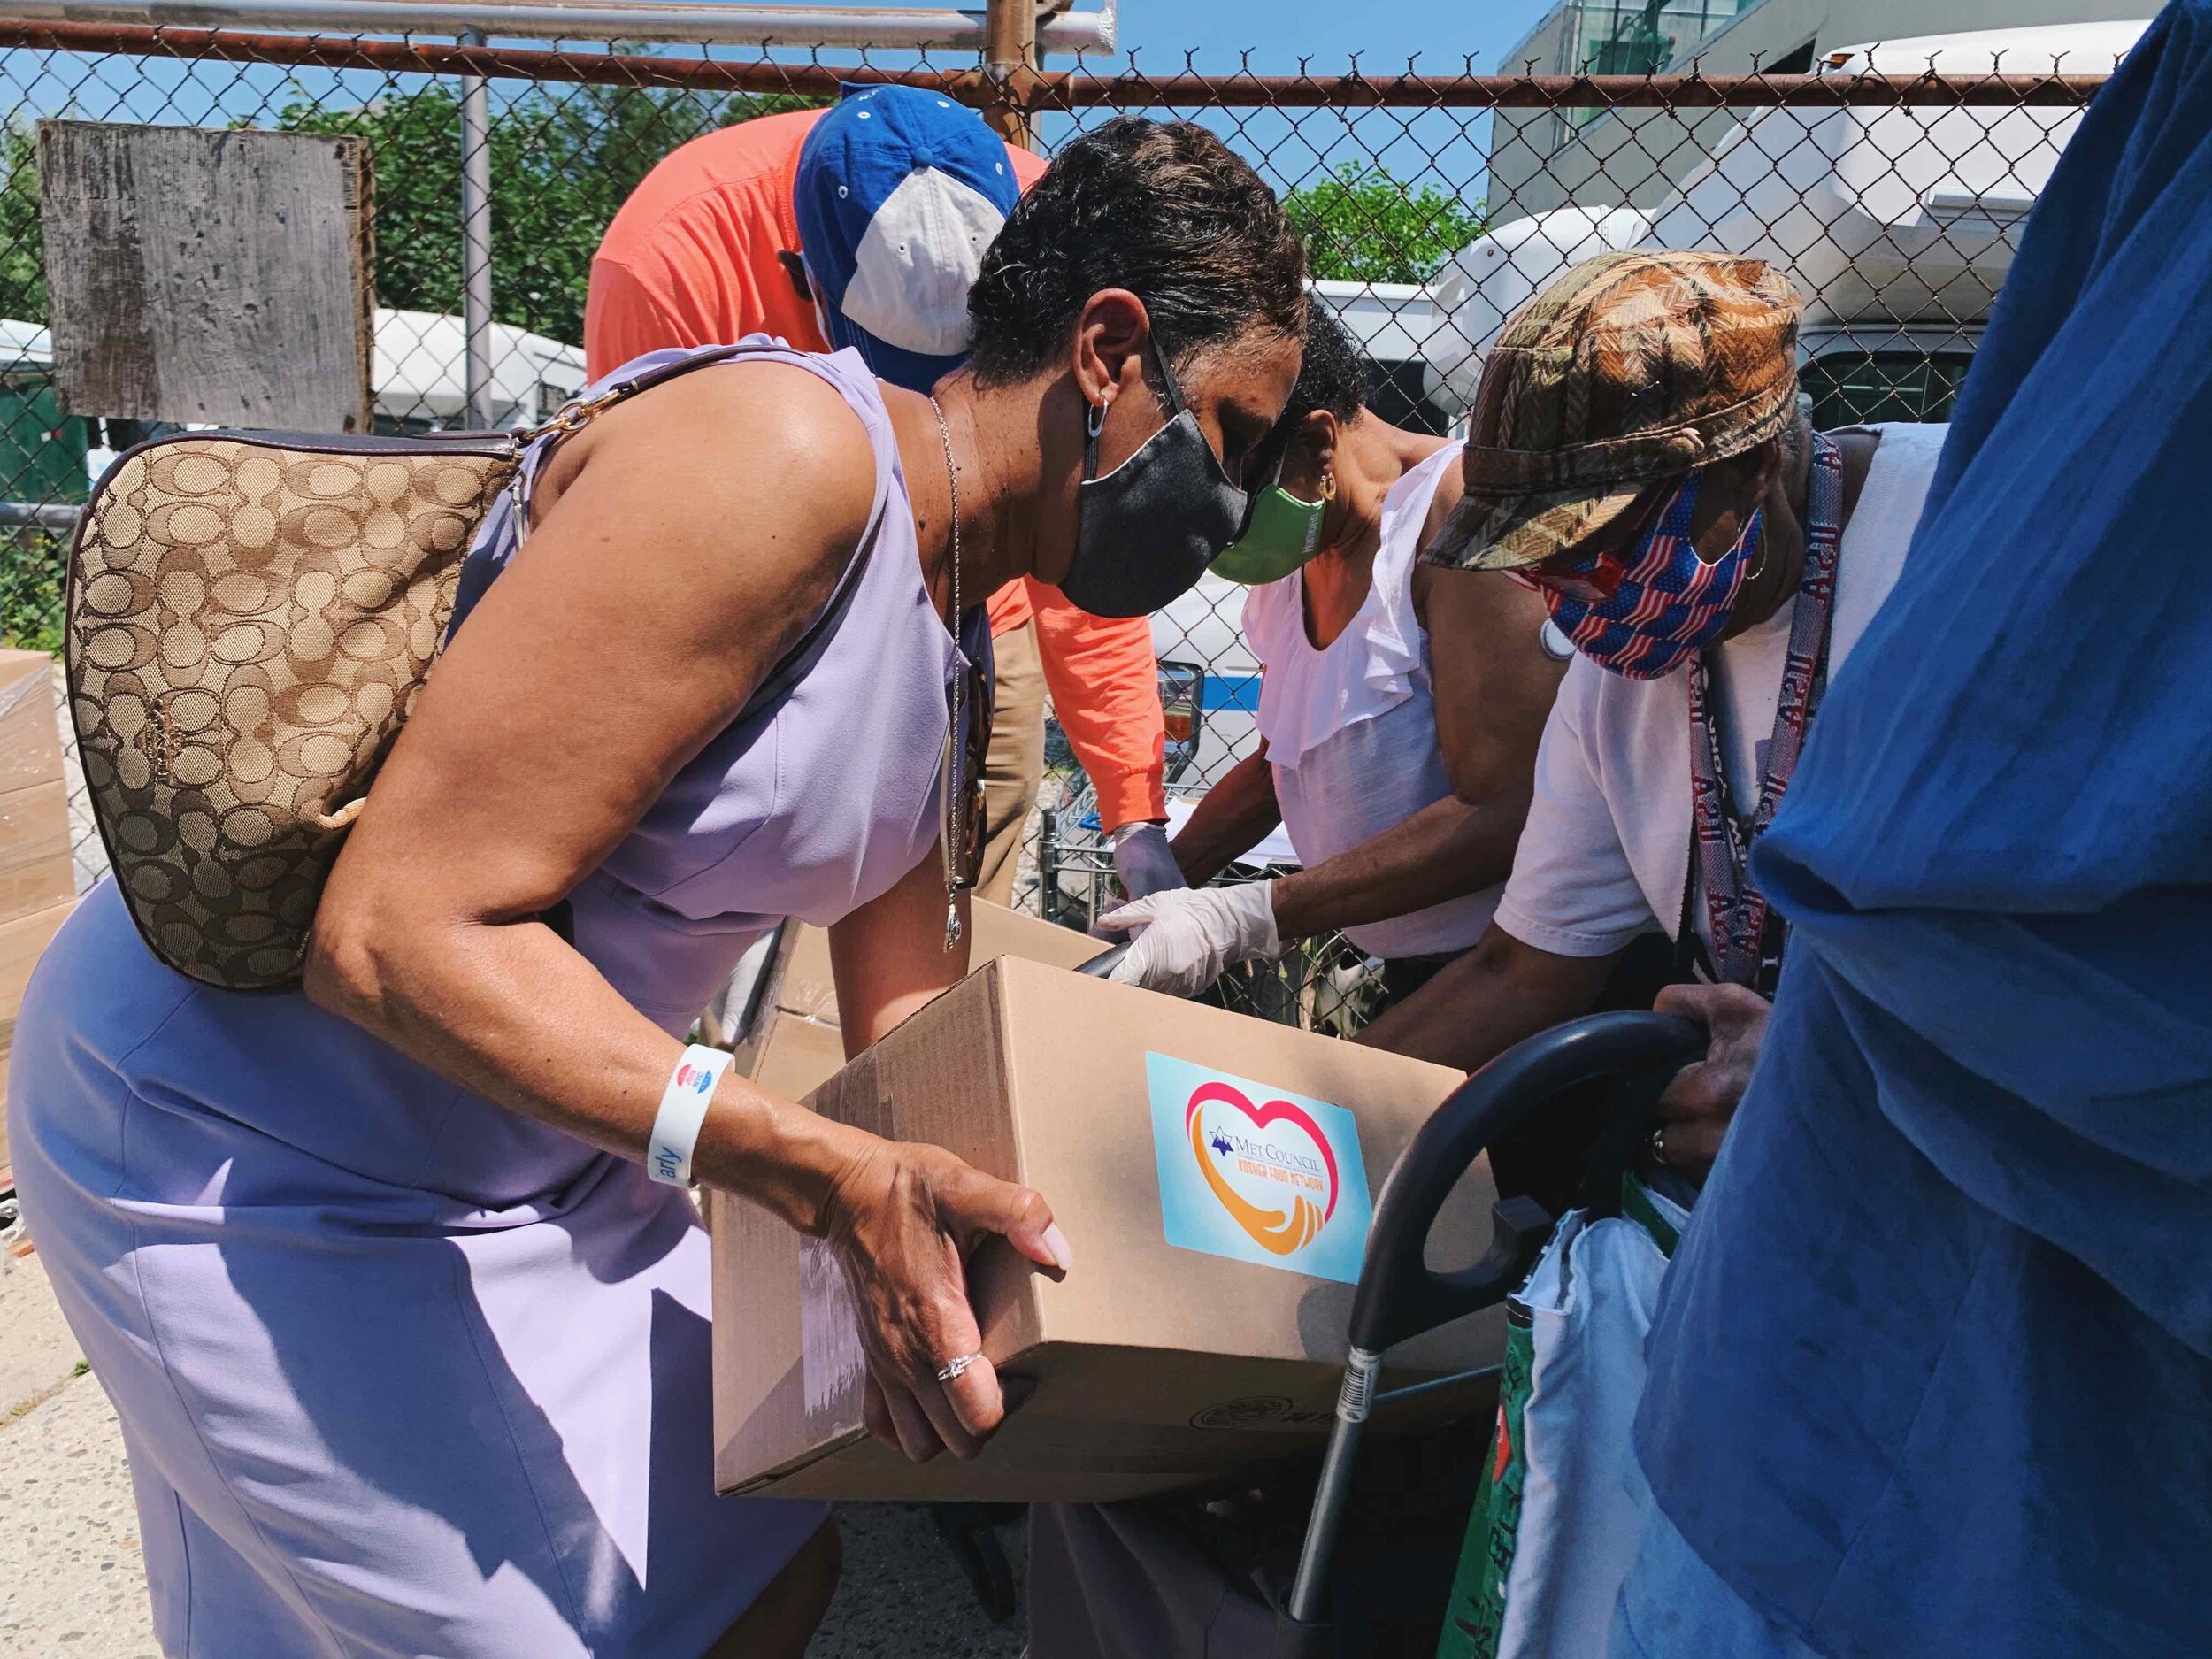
(1759, 570)
(1328, 487)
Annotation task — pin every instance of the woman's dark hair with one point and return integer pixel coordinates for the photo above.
(1162, 209)
(1335, 374)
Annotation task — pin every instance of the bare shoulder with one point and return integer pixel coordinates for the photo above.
(739, 491)
(772, 442)
(1484, 613)
(1480, 608)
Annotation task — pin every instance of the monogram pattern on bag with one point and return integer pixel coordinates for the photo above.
(249, 627)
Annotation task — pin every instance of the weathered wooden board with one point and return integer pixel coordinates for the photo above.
(218, 276)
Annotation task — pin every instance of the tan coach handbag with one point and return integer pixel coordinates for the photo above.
(250, 620)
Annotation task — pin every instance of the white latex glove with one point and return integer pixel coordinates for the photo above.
(1144, 861)
(1186, 936)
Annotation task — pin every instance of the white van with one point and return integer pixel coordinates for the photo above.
(1898, 224)
(1493, 276)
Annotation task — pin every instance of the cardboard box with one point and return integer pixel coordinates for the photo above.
(800, 983)
(37, 877)
(35, 867)
(794, 1056)
(22, 940)
(1214, 1174)
(797, 1044)
(30, 738)
(802, 994)
(803, 984)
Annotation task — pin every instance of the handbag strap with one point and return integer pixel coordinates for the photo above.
(531, 445)
(576, 413)
(790, 668)
(572, 418)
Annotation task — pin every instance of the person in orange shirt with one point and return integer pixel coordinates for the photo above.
(899, 191)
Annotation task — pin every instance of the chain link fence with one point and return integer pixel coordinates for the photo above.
(1433, 206)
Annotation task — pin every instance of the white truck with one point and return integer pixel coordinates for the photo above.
(1898, 224)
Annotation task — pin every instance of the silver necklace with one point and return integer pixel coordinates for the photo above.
(953, 743)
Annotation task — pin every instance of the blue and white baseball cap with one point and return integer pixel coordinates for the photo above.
(899, 191)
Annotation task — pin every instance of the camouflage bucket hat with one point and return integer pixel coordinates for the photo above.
(1631, 369)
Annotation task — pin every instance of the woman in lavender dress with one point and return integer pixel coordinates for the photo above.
(410, 1357)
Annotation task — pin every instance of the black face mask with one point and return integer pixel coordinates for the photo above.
(1146, 532)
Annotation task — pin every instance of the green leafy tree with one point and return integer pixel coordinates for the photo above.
(22, 252)
(562, 161)
(1361, 225)
(32, 562)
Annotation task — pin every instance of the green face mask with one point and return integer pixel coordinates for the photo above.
(1285, 532)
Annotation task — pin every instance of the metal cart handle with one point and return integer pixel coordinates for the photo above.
(1399, 1295)
(1103, 966)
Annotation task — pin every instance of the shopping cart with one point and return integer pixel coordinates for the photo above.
(1075, 864)
(1400, 1296)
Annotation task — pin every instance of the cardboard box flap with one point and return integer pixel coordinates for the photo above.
(794, 1056)
(800, 981)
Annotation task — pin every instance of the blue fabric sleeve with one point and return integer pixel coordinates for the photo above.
(2000, 839)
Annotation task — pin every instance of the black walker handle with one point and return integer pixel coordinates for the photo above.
(1103, 966)
(1399, 1295)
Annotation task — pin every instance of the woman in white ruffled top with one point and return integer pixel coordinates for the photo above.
(1399, 716)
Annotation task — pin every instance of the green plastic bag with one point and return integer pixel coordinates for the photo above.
(1572, 1373)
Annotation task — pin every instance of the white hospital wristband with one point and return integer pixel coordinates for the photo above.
(683, 1109)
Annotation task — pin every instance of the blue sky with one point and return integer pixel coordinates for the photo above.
(1445, 151)
(1383, 32)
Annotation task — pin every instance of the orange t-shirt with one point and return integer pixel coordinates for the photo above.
(691, 260)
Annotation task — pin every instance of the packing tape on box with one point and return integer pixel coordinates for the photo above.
(832, 1363)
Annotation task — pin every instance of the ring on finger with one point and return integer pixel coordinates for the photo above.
(1656, 1140)
(955, 1367)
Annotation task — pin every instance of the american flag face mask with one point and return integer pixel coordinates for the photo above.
(1643, 616)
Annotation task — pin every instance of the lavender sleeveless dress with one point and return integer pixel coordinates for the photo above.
(401, 1373)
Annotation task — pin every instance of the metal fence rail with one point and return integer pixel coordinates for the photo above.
(1432, 202)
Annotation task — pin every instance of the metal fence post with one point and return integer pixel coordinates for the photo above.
(1009, 55)
(476, 240)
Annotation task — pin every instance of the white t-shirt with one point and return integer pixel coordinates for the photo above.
(1605, 854)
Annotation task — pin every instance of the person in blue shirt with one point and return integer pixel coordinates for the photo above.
(1931, 1373)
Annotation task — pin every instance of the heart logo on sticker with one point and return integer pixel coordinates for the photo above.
(1270, 1166)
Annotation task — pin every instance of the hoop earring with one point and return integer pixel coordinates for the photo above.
(1766, 548)
(1328, 487)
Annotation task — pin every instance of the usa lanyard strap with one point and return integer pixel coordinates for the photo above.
(1747, 943)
